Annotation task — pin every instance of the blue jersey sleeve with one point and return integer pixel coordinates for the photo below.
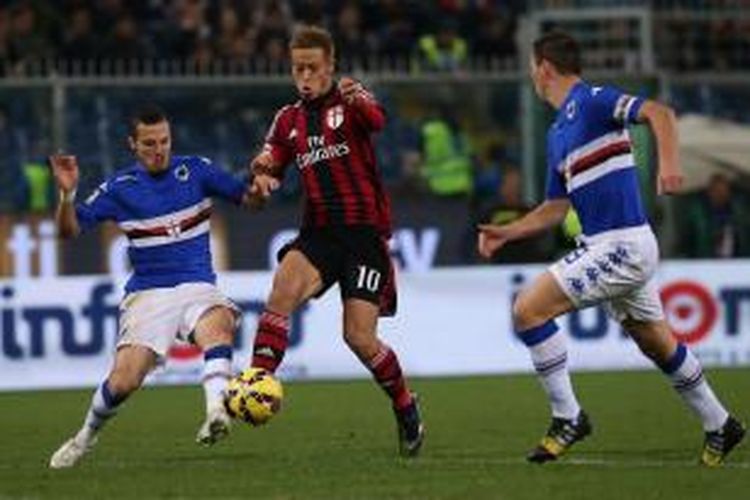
(555, 185)
(100, 206)
(218, 182)
(610, 103)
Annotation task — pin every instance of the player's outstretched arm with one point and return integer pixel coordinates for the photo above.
(492, 237)
(663, 123)
(65, 171)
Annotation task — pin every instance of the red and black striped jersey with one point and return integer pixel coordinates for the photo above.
(331, 143)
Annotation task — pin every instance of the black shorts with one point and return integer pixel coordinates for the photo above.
(355, 257)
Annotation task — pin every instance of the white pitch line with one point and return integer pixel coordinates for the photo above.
(592, 462)
(655, 464)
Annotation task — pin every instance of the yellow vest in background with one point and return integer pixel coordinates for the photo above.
(447, 171)
(38, 179)
(436, 58)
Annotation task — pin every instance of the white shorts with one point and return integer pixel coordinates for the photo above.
(159, 317)
(615, 269)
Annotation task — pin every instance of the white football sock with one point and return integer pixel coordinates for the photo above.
(692, 386)
(217, 370)
(550, 358)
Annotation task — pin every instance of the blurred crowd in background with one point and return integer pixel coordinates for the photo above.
(440, 35)
(435, 144)
(236, 33)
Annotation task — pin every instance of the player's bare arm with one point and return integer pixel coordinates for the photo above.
(663, 123)
(492, 237)
(65, 171)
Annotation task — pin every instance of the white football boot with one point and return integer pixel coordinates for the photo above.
(215, 428)
(71, 452)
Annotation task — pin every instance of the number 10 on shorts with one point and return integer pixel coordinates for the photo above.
(368, 279)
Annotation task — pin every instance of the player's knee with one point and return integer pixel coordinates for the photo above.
(227, 319)
(122, 382)
(361, 341)
(216, 327)
(524, 313)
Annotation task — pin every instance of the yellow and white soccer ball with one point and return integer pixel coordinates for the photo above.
(254, 396)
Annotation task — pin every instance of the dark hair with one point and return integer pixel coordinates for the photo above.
(560, 50)
(312, 37)
(149, 114)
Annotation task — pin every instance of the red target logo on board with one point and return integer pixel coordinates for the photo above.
(690, 310)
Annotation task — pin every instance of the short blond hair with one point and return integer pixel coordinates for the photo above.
(313, 37)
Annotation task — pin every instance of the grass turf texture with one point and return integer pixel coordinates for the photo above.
(335, 440)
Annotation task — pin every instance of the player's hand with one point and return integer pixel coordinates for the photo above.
(65, 171)
(670, 182)
(263, 185)
(256, 202)
(350, 89)
(262, 164)
(491, 239)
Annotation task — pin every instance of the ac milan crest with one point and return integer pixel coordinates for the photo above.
(335, 117)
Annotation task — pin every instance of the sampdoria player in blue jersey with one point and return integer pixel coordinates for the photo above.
(591, 167)
(163, 205)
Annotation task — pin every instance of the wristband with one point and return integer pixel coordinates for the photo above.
(68, 196)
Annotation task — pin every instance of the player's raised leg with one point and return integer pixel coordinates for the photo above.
(214, 333)
(360, 334)
(533, 316)
(295, 281)
(723, 432)
(132, 364)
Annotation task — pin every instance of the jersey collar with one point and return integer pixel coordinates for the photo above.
(320, 101)
(143, 170)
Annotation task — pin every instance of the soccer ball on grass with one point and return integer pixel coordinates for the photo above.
(254, 396)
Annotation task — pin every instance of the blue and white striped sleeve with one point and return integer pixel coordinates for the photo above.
(616, 105)
(100, 206)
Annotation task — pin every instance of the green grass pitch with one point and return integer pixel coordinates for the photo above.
(337, 440)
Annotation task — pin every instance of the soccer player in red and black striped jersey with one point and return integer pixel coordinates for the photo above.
(328, 134)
